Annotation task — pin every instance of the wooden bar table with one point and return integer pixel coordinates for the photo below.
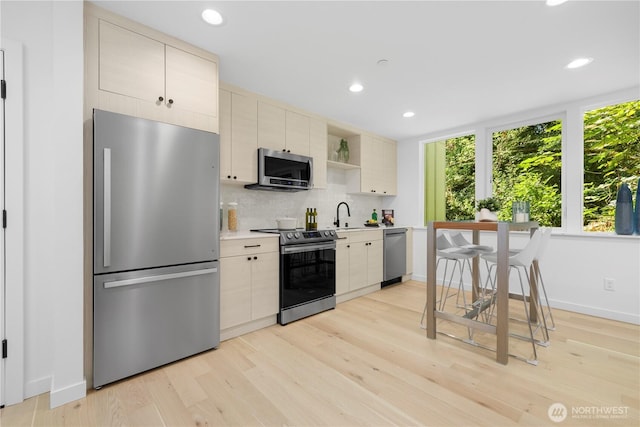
(501, 330)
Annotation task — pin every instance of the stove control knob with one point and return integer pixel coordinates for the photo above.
(289, 235)
(333, 233)
(297, 235)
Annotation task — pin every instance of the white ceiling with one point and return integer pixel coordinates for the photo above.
(451, 62)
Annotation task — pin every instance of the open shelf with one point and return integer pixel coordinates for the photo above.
(340, 165)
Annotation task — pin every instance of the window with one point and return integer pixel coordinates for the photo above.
(611, 157)
(450, 179)
(570, 183)
(460, 173)
(527, 166)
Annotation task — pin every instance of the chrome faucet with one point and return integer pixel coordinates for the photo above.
(337, 222)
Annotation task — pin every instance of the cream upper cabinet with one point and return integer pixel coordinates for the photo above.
(135, 71)
(130, 64)
(271, 126)
(226, 146)
(190, 83)
(238, 137)
(318, 150)
(389, 168)
(297, 133)
(282, 130)
(378, 166)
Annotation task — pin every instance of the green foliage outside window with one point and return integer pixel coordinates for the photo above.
(527, 166)
(460, 177)
(611, 157)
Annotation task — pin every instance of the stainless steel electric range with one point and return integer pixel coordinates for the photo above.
(307, 272)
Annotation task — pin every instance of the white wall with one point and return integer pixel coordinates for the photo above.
(576, 262)
(51, 33)
(259, 209)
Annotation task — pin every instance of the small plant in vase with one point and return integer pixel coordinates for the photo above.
(487, 209)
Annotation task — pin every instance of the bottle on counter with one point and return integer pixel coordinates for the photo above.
(232, 215)
(374, 216)
(314, 220)
(307, 219)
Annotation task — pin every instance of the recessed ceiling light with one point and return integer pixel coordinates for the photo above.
(382, 62)
(356, 87)
(579, 62)
(555, 2)
(408, 114)
(212, 17)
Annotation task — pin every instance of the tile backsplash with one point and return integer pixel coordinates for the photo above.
(259, 209)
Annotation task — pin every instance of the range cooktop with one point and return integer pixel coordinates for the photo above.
(300, 235)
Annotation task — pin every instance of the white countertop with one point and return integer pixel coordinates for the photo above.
(246, 234)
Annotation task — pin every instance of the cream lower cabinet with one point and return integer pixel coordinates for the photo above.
(359, 262)
(249, 275)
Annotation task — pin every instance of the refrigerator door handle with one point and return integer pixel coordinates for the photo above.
(106, 236)
(157, 278)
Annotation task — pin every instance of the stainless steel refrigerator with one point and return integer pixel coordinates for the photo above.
(156, 290)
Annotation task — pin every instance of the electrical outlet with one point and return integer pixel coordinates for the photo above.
(609, 284)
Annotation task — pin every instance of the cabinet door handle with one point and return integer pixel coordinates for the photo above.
(248, 258)
(160, 99)
(255, 257)
(252, 246)
(170, 101)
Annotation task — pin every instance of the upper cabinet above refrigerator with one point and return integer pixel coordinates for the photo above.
(155, 77)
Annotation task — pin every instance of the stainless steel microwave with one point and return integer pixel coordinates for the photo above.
(283, 171)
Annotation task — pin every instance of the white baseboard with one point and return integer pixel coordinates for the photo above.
(597, 312)
(36, 387)
(67, 394)
(633, 318)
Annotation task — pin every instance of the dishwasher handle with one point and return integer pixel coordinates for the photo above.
(395, 231)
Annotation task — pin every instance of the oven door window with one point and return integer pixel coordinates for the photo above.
(307, 276)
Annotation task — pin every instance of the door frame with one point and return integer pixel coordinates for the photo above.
(14, 233)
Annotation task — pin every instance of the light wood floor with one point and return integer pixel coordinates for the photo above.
(369, 363)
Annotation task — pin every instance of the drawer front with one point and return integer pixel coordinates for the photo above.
(365, 236)
(236, 247)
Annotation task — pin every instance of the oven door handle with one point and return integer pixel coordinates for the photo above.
(306, 248)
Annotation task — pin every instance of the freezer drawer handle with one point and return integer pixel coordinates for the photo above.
(140, 280)
(106, 236)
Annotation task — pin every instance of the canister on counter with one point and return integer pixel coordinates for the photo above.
(232, 215)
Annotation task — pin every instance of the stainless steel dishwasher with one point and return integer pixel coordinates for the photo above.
(395, 255)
